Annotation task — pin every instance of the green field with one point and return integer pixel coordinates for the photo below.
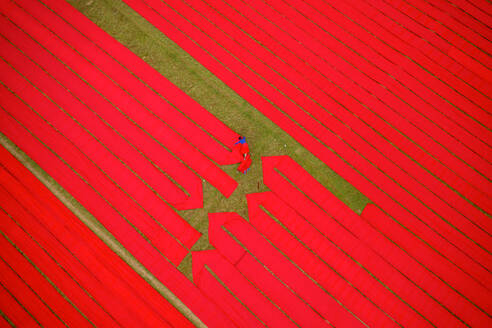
(264, 137)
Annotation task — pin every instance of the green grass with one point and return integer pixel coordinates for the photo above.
(264, 137)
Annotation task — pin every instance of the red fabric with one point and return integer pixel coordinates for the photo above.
(328, 265)
(321, 301)
(245, 164)
(393, 135)
(384, 163)
(125, 293)
(436, 241)
(467, 249)
(13, 310)
(107, 188)
(102, 293)
(318, 211)
(160, 126)
(240, 315)
(104, 255)
(130, 239)
(110, 164)
(104, 134)
(241, 288)
(244, 149)
(197, 114)
(125, 284)
(21, 291)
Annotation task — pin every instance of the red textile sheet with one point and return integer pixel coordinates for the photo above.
(321, 205)
(250, 241)
(14, 311)
(417, 207)
(129, 238)
(127, 287)
(435, 167)
(21, 291)
(328, 265)
(102, 253)
(157, 82)
(240, 287)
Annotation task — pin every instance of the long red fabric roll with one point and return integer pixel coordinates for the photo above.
(334, 207)
(318, 193)
(306, 289)
(158, 265)
(41, 195)
(217, 293)
(239, 286)
(157, 82)
(24, 294)
(328, 265)
(14, 311)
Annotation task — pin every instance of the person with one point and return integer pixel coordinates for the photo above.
(245, 164)
(241, 140)
(243, 148)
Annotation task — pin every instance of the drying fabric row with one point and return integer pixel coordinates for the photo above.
(123, 103)
(401, 126)
(57, 273)
(315, 262)
(83, 106)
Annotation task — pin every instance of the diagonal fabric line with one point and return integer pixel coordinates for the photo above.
(326, 201)
(469, 247)
(328, 265)
(22, 292)
(157, 82)
(87, 170)
(254, 243)
(123, 293)
(14, 311)
(239, 285)
(57, 217)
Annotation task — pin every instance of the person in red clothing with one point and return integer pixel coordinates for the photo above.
(245, 164)
(243, 148)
